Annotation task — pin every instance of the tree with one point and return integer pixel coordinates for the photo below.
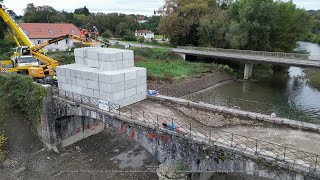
(85, 11)
(122, 29)
(40, 14)
(181, 20)
(152, 24)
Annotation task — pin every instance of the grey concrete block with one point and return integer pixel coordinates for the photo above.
(92, 63)
(117, 87)
(107, 56)
(68, 80)
(117, 96)
(141, 96)
(87, 92)
(105, 78)
(130, 84)
(72, 73)
(125, 63)
(92, 54)
(73, 81)
(120, 64)
(141, 72)
(96, 93)
(106, 96)
(117, 77)
(68, 74)
(62, 79)
(76, 89)
(79, 52)
(62, 71)
(130, 75)
(67, 87)
(128, 54)
(82, 83)
(108, 66)
(141, 81)
(58, 71)
(130, 62)
(142, 89)
(130, 100)
(106, 87)
(79, 60)
(93, 84)
(61, 86)
(130, 92)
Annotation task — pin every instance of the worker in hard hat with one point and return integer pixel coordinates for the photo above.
(55, 79)
(95, 31)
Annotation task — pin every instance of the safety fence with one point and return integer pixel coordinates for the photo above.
(249, 52)
(194, 130)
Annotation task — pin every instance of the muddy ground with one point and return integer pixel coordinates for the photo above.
(108, 155)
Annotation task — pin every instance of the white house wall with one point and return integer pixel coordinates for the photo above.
(61, 45)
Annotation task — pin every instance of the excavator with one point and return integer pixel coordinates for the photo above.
(29, 58)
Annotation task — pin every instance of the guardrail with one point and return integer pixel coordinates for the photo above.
(249, 52)
(194, 130)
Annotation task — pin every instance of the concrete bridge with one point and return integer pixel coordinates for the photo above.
(249, 57)
(70, 117)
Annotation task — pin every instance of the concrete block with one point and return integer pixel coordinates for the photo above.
(96, 93)
(107, 57)
(120, 64)
(92, 54)
(117, 96)
(58, 70)
(130, 75)
(73, 81)
(141, 96)
(68, 80)
(117, 87)
(117, 78)
(93, 84)
(67, 87)
(125, 63)
(130, 84)
(94, 63)
(130, 62)
(72, 73)
(128, 54)
(79, 60)
(141, 81)
(76, 89)
(142, 89)
(130, 100)
(106, 87)
(87, 92)
(108, 66)
(105, 78)
(61, 86)
(62, 71)
(106, 96)
(82, 83)
(130, 92)
(68, 74)
(119, 56)
(62, 79)
(78, 52)
(141, 72)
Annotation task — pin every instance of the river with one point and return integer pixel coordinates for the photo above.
(286, 94)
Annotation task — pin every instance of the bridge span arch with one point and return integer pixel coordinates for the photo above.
(65, 122)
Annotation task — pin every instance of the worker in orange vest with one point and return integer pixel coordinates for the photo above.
(85, 33)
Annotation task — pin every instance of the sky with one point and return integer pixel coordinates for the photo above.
(144, 7)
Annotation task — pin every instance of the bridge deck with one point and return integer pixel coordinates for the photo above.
(251, 58)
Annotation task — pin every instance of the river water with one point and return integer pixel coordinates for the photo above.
(286, 94)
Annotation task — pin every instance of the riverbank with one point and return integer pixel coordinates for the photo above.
(313, 75)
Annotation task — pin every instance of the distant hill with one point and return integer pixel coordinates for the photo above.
(313, 12)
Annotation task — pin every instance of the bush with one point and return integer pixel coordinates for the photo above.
(155, 53)
(106, 34)
(227, 69)
(140, 40)
(129, 38)
(22, 94)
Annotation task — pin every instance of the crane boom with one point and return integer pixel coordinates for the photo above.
(16, 29)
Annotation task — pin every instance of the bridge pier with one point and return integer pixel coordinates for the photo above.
(247, 71)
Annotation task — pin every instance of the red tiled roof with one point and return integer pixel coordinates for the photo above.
(145, 31)
(48, 30)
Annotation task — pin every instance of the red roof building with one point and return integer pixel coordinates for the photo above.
(40, 32)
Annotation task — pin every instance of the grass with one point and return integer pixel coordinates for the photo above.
(158, 36)
(2, 146)
(314, 76)
(163, 64)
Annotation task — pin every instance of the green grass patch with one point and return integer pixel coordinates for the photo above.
(158, 36)
(314, 76)
(163, 64)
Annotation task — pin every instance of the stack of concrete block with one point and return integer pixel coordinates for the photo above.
(104, 73)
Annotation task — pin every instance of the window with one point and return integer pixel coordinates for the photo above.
(141, 34)
(56, 43)
(60, 30)
(73, 32)
(51, 32)
(39, 30)
(145, 34)
(67, 41)
(39, 42)
(26, 32)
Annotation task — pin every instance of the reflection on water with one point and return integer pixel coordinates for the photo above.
(286, 94)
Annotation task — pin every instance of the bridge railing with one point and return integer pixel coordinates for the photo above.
(193, 130)
(249, 52)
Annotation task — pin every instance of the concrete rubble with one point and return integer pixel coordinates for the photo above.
(104, 73)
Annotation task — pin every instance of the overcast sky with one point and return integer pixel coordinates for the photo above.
(145, 7)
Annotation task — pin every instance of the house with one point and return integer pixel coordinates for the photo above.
(41, 32)
(147, 34)
(142, 20)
